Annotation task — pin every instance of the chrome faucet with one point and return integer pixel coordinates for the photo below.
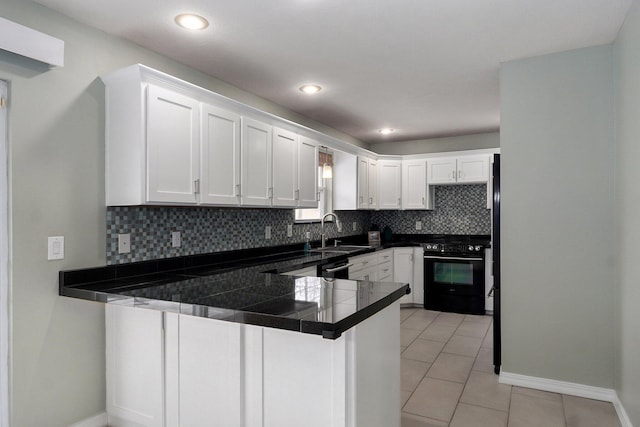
(323, 238)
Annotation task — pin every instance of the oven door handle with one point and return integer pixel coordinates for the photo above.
(452, 258)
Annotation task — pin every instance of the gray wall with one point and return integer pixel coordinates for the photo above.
(627, 176)
(56, 143)
(439, 145)
(556, 143)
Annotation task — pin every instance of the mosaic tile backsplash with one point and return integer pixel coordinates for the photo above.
(205, 230)
(459, 209)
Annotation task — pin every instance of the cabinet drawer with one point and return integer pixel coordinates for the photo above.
(370, 273)
(362, 262)
(385, 270)
(384, 256)
(386, 278)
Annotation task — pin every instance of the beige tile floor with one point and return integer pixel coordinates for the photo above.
(448, 380)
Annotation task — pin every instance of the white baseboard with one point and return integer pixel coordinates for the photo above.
(622, 414)
(99, 420)
(572, 389)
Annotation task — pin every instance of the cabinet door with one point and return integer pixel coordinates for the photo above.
(473, 169)
(441, 171)
(385, 265)
(390, 184)
(172, 147)
(210, 372)
(403, 271)
(220, 145)
(373, 184)
(363, 183)
(134, 366)
(414, 184)
(307, 173)
(285, 168)
(256, 163)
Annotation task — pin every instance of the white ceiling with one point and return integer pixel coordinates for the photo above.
(424, 67)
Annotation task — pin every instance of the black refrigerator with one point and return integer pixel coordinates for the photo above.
(495, 244)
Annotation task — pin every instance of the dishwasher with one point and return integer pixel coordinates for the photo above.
(335, 270)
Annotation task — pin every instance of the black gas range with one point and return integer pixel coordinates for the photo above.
(454, 273)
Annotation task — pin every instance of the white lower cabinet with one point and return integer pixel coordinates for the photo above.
(364, 267)
(409, 268)
(172, 370)
(135, 366)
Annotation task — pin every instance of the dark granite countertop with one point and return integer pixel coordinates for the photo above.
(243, 286)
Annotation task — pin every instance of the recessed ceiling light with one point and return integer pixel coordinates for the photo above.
(310, 89)
(191, 21)
(386, 131)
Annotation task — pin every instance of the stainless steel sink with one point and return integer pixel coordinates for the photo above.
(341, 249)
(352, 248)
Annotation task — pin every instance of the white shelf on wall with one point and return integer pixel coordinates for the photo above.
(27, 42)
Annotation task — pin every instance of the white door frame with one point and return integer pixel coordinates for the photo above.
(4, 261)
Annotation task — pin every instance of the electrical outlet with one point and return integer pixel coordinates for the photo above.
(418, 225)
(267, 232)
(55, 248)
(176, 239)
(124, 243)
(289, 230)
(355, 226)
(308, 234)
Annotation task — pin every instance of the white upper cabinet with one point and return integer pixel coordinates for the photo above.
(169, 142)
(256, 184)
(363, 182)
(463, 169)
(172, 147)
(414, 185)
(279, 167)
(220, 157)
(355, 182)
(285, 168)
(345, 182)
(307, 173)
(367, 196)
(441, 171)
(389, 184)
(473, 169)
(373, 184)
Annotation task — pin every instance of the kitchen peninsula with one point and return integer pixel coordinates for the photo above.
(228, 338)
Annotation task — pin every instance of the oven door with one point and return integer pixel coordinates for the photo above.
(454, 283)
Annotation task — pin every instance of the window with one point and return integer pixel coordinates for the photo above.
(325, 204)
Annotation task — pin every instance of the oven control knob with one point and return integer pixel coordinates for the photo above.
(470, 248)
(478, 248)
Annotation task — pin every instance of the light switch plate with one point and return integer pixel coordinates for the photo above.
(355, 226)
(267, 232)
(124, 243)
(289, 230)
(339, 226)
(418, 225)
(55, 248)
